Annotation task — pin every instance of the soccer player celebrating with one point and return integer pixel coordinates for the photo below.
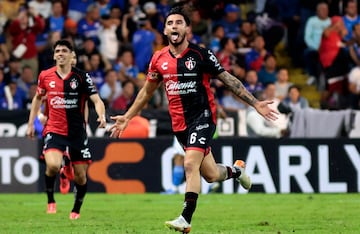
(185, 70)
(67, 89)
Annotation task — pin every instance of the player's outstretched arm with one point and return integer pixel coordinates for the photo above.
(35, 108)
(100, 109)
(236, 86)
(142, 98)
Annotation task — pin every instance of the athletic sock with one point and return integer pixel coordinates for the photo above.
(189, 205)
(232, 172)
(80, 191)
(49, 188)
(178, 175)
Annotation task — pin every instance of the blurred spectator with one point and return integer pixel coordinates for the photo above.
(96, 69)
(56, 20)
(350, 18)
(30, 96)
(294, 100)
(216, 35)
(13, 98)
(11, 8)
(4, 50)
(354, 88)
(24, 30)
(247, 36)
(84, 54)
(257, 126)
(109, 45)
(2, 83)
(3, 60)
(77, 9)
(104, 7)
(231, 102)
(199, 26)
(126, 68)
(111, 89)
(131, 19)
(272, 31)
(252, 83)
(282, 83)
(26, 79)
(193, 38)
(314, 29)
(3, 25)
(123, 102)
(226, 55)
(354, 46)
(42, 7)
(142, 43)
(255, 57)
(70, 33)
(89, 26)
(334, 60)
(289, 15)
(152, 15)
(231, 21)
(163, 8)
(13, 71)
(267, 73)
(159, 42)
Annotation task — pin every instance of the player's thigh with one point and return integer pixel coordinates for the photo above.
(80, 170)
(209, 167)
(54, 147)
(192, 160)
(53, 158)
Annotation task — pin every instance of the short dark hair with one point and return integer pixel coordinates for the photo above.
(179, 10)
(64, 42)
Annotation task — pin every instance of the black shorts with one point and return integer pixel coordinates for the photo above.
(198, 135)
(77, 148)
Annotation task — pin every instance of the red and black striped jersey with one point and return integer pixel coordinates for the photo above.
(65, 100)
(186, 81)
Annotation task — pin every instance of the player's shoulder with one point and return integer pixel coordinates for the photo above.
(78, 71)
(160, 53)
(48, 71)
(199, 49)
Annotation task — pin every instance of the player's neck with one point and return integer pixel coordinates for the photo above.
(177, 50)
(63, 71)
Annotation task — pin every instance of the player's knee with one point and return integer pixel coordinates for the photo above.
(81, 180)
(52, 169)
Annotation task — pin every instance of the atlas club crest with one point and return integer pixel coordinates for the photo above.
(73, 84)
(190, 63)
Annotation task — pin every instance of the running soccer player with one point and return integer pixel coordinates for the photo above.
(67, 89)
(185, 70)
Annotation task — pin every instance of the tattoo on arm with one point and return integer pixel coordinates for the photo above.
(236, 86)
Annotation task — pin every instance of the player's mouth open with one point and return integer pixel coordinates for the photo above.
(174, 36)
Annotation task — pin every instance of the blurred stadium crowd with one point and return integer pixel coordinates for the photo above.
(115, 39)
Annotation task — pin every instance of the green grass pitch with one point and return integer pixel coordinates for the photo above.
(215, 214)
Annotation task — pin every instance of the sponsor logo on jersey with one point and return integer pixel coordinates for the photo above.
(176, 88)
(74, 84)
(164, 66)
(213, 58)
(202, 126)
(62, 103)
(190, 63)
(52, 84)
